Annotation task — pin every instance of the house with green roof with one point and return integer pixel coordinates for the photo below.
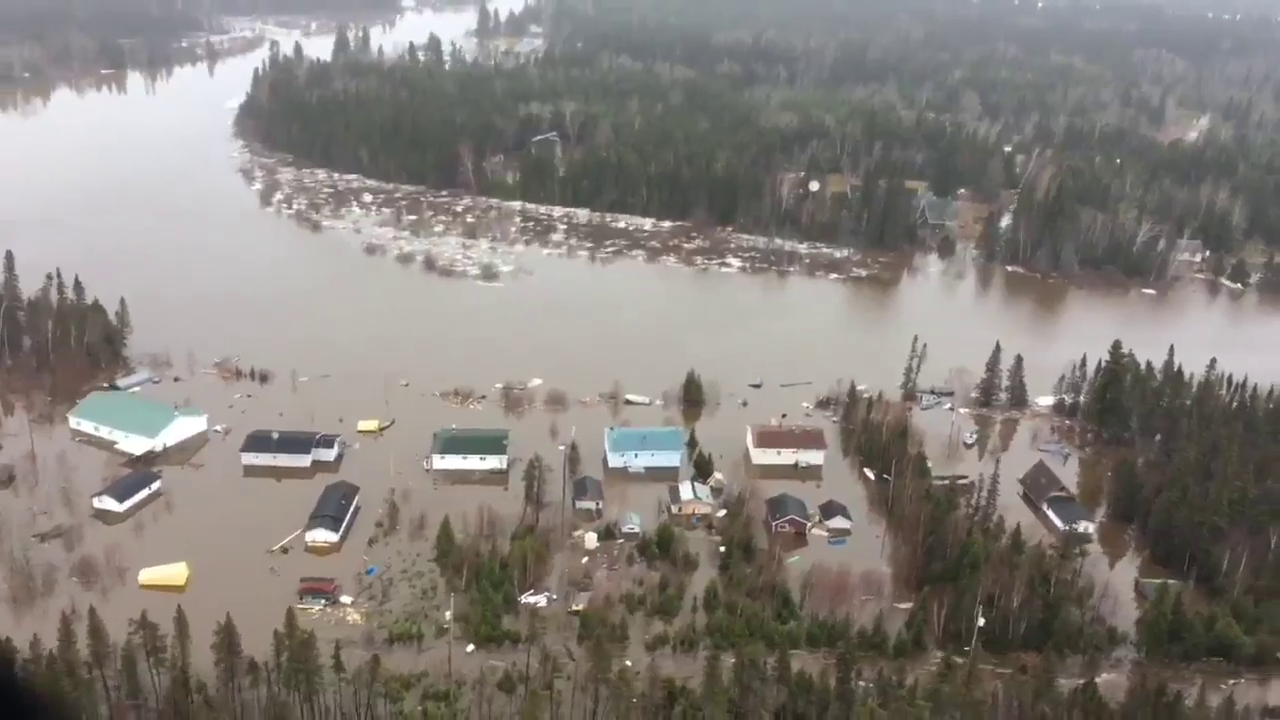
(470, 449)
(135, 424)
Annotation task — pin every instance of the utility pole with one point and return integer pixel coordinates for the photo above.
(451, 621)
(978, 621)
(564, 477)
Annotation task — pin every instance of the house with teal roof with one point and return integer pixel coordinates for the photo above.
(135, 424)
(644, 448)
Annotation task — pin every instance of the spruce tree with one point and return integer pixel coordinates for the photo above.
(703, 466)
(101, 655)
(228, 659)
(908, 384)
(988, 394)
(1016, 384)
(573, 459)
(693, 396)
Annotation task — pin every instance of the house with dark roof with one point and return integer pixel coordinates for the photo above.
(786, 513)
(835, 518)
(796, 445)
(470, 449)
(330, 519)
(1042, 487)
(127, 492)
(588, 494)
(289, 448)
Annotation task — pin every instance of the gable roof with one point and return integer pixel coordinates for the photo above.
(470, 441)
(1040, 482)
(333, 506)
(127, 486)
(588, 488)
(285, 442)
(644, 439)
(689, 491)
(939, 211)
(788, 437)
(785, 505)
(831, 509)
(129, 412)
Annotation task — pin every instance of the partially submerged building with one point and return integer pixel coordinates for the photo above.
(330, 519)
(797, 445)
(835, 519)
(133, 381)
(8, 474)
(644, 448)
(127, 492)
(318, 592)
(786, 513)
(135, 424)
(289, 448)
(588, 494)
(470, 449)
(1045, 490)
(690, 499)
(630, 526)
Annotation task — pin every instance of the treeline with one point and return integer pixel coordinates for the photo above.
(1195, 469)
(59, 336)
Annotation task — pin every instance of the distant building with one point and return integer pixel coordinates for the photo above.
(330, 519)
(630, 526)
(644, 448)
(1044, 489)
(127, 492)
(690, 499)
(786, 513)
(800, 445)
(835, 517)
(473, 449)
(937, 213)
(588, 494)
(137, 425)
(289, 448)
(134, 381)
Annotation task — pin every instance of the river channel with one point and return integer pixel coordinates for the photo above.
(139, 193)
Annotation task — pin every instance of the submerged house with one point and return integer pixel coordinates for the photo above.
(786, 513)
(330, 519)
(690, 499)
(798, 445)
(835, 518)
(134, 381)
(289, 448)
(135, 424)
(473, 449)
(314, 592)
(937, 213)
(644, 448)
(1044, 489)
(630, 527)
(127, 492)
(588, 494)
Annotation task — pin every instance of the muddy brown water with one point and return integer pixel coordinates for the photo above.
(138, 192)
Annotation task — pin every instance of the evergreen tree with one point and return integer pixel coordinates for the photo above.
(341, 43)
(101, 654)
(908, 384)
(483, 21)
(693, 397)
(703, 466)
(1016, 388)
(574, 459)
(446, 545)
(1239, 273)
(228, 660)
(988, 394)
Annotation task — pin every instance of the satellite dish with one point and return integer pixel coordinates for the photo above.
(814, 185)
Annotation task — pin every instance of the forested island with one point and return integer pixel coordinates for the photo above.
(1127, 139)
(59, 39)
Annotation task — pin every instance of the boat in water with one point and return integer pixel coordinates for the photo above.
(637, 400)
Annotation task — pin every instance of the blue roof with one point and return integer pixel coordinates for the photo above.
(644, 439)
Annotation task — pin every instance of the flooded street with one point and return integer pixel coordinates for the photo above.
(140, 194)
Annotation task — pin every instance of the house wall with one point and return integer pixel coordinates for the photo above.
(329, 454)
(791, 525)
(183, 428)
(769, 456)
(594, 505)
(104, 503)
(487, 463)
(692, 507)
(275, 460)
(646, 459)
(102, 431)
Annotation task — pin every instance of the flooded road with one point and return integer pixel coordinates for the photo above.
(139, 193)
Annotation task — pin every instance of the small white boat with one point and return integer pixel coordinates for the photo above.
(637, 400)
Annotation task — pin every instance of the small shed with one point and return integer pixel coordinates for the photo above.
(133, 381)
(588, 494)
(136, 424)
(690, 499)
(630, 526)
(127, 492)
(473, 449)
(330, 519)
(799, 445)
(8, 474)
(316, 592)
(289, 448)
(644, 448)
(786, 513)
(835, 517)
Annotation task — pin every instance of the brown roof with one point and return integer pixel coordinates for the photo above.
(1040, 482)
(788, 437)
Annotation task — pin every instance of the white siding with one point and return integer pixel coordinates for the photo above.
(769, 456)
(588, 505)
(485, 463)
(275, 460)
(646, 459)
(107, 504)
(328, 454)
(183, 428)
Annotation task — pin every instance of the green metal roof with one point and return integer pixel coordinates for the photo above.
(470, 441)
(129, 412)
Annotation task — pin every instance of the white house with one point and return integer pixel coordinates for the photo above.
(644, 448)
(330, 520)
(835, 518)
(469, 449)
(799, 445)
(690, 499)
(588, 494)
(127, 492)
(289, 448)
(136, 424)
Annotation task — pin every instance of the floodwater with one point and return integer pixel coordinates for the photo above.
(140, 194)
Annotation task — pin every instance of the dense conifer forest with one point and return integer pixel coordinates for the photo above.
(1079, 128)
